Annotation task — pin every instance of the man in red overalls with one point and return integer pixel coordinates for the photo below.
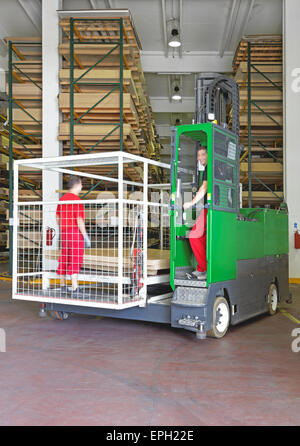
(197, 235)
(70, 218)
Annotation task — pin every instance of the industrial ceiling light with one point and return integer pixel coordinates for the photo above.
(174, 42)
(176, 96)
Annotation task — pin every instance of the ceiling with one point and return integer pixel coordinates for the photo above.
(209, 30)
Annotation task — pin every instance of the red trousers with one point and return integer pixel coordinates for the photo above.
(197, 239)
(72, 251)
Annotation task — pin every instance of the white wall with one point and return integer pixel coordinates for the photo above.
(291, 21)
(51, 147)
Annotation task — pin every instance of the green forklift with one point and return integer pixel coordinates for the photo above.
(247, 248)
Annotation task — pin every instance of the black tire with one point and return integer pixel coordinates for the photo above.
(272, 299)
(221, 318)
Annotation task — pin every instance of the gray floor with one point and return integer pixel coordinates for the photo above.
(103, 371)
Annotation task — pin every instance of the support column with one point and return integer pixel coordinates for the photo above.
(52, 181)
(291, 109)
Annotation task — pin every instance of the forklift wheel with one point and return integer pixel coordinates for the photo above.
(273, 299)
(60, 315)
(221, 318)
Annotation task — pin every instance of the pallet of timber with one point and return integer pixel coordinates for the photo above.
(260, 119)
(28, 69)
(87, 55)
(99, 75)
(96, 132)
(26, 117)
(264, 48)
(272, 71)
(26, 91)
(106, 259)
(102, 29)
(263, 196)
(257, 148)
(100, 112)
(262, 94)
(93, 41)
(265, 168)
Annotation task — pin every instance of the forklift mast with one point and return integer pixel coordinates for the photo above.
(214, 93)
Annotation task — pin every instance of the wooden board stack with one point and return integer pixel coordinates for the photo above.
(266, 116)
(93, 41)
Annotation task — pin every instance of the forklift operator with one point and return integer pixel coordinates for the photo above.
(197, 235)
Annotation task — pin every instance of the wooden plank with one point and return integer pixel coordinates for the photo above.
(263, 195)
(97, 50)
(260, 119)
(26, 91)
(258, 93)
(99, 75)
(92, 132)
(111, 104)
(265, 168)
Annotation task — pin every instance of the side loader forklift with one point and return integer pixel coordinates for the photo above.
(247, 248)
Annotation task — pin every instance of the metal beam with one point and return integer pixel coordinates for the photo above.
(181, 27)
(229, 26)
(193, 62)
(163, 105)
(33, 9)
(164, 24)
(247, 17)
(3, 46)
(94, 4)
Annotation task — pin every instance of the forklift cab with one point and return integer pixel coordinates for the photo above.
(222, 199)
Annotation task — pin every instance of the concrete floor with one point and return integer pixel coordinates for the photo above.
(93, 371)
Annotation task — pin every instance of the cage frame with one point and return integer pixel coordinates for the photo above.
(64, 164)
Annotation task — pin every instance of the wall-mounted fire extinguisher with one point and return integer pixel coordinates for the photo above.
(296, 237)
(50, 234)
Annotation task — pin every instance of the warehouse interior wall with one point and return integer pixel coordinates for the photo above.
(51, 146)
(291, 72)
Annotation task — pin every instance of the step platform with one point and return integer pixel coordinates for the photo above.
(190, 283)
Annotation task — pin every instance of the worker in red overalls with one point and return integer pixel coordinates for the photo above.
(74, 238)
(197, 235)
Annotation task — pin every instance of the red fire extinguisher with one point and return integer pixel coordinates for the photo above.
(50, 234)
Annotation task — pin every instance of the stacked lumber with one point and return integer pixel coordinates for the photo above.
(264, 48)
(138, 130)
(26, 91)
(26, 112)
(95, 40)
(266, 116)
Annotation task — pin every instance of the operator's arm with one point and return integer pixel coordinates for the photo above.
(81, 226)
(199, 195)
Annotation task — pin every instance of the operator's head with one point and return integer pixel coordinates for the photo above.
(202, 155)
(75, 184)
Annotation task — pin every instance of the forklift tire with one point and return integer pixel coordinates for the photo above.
(272, 299)
(221, 318)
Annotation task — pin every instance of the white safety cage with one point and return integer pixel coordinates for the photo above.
(125, 213)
